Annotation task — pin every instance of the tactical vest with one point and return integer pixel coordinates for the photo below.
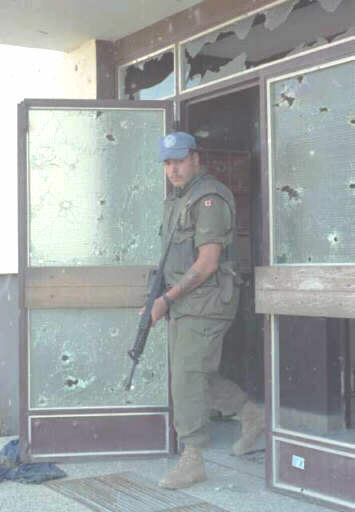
(218, 296)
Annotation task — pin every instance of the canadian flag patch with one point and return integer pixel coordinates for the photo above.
(208, 202)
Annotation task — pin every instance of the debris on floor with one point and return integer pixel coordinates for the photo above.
(12, 469)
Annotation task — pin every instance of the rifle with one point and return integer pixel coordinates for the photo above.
(145, 323)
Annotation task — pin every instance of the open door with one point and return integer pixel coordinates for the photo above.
(307, 287)
(90, 195)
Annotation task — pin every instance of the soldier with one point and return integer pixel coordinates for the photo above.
(201, 300)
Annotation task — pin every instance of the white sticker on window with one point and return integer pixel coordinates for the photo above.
(297, 462)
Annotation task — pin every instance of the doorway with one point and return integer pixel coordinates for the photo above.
(227, 132)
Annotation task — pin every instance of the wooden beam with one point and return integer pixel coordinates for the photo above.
(306, 291)
(106, 86)
(87, 287)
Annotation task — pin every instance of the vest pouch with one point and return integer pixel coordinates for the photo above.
(229, 282)
(182, 253)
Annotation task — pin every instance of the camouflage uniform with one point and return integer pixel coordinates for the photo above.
(199, 320)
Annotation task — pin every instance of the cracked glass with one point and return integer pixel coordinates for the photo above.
(286, 29)
(96, 193)
(149, 79)
(312, 161)
(93, 201)
(78, 358)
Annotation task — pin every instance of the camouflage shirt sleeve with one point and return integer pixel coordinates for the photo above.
(213, 221)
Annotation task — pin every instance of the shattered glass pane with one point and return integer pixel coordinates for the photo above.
(313, 162)
(78, 358)
(278, 15)
(285, 29)
(316, 375)
(330, 5)
(96, 188)
(149, 79)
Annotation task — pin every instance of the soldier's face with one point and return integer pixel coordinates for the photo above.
(180, 172)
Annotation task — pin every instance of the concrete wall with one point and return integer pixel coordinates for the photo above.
(9, 337)
(29, 74)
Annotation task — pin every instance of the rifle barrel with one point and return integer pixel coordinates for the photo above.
(130, 378)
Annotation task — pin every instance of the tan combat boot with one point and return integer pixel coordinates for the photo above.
(189, 470)
(253, 425)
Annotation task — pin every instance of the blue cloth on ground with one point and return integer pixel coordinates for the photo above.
(12, 469)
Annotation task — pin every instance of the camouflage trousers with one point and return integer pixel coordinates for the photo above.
(195, 348)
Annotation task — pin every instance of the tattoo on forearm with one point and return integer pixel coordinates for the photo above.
(190, 280)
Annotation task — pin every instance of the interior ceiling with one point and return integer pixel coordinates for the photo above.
(66, 24)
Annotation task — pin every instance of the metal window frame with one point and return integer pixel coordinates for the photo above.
(275, 419)
(321, 57)
(269, 83)
(296, 491)
(23, 251)
(244, 73)
(106, 453)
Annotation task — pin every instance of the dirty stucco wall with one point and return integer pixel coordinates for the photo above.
(30, 73)
(9, 336)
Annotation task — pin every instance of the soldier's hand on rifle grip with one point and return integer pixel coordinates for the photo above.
(159, 310)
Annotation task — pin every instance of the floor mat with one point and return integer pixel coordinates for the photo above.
(128, 492)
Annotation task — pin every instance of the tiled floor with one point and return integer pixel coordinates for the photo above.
(235, 484)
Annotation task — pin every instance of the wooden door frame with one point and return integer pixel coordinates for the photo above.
(33, 295)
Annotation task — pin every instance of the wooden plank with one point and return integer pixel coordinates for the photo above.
(280, 302)
(306, 291)
(127, 275)
(85, 297)
(321, 278)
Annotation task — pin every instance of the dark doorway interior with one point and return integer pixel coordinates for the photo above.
(227, 128)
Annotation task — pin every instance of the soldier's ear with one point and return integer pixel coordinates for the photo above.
(196, 158)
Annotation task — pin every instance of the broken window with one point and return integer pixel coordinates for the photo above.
(286, 29)
(78, 358)
(148, 79)
(312, 163)
(94, 196)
